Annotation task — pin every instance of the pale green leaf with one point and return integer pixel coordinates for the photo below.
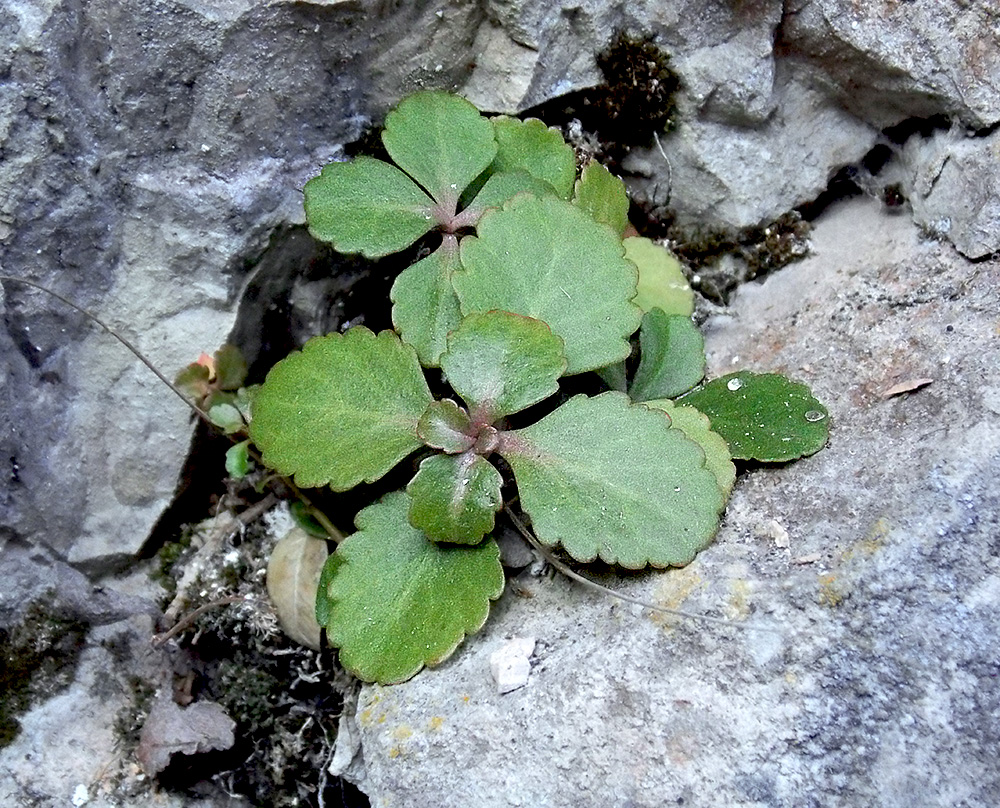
(763, 416)
(293, 574)
(545, 258)
(392, 601)
(441, 141)
(454, 498)
(238, 462)
(672, 358)
(696, 426)
(367, 206)
(610, 479)
(502, 363)
(603, 196)
(614, 376)
(507, 184)
(342, 410)
(226, 417)
(533, 147)
(447, 427)
(662, 284)
(425, 307)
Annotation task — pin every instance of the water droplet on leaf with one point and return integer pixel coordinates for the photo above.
(734, 384)
(815, 415)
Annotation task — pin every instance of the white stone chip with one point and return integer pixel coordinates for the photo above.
(510, 664)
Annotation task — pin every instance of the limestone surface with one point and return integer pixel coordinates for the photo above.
(862, 583)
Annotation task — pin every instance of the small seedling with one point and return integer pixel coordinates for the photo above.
(531, 282)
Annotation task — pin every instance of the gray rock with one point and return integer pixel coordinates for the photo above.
(716, 174)
(863, 581)
(895, 60)
(952, 183)
(150, 152)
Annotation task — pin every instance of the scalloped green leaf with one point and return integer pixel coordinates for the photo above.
(425, 307)
(501, 363)
(695, 425)
(441, 141)
(342, 410)
(540, 150)
(763, 416)
(367, 206)
(455, 498)
(547, 259)
(392, 601)
(447, 427)
(672, 358)
(506, 185)
(610, 479)
(662, 284)
(603, 196)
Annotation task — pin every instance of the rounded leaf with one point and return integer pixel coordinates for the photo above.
(672, 358)
(536, 148)
(603, 196)
(441, 141)
(610, 479)
(501, 363)
(367, 206)
(763, 416)
(547, 259)
(392, 601)
(293, 573)
(695, 425)
(454, 498)
(425, 307)
(662, 284)
(342, 410)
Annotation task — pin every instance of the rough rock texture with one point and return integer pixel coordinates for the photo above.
(865, 580)
(149, 152)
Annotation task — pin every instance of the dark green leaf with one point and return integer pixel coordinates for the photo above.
(545, 258)
(368, 207)
(502, 363)
(662, 284)
(392, 601)
(441, 141)
(425, 306)
(341, 411)
(602, 195)
(447, 427)
(304, 519)
(230, 368)
(454, 498)
(610, 479)
(672, 356)
(763, 416)
(614, 376)
(533, 147)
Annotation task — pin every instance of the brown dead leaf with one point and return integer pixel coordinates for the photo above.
(171, 729)
(906, 387)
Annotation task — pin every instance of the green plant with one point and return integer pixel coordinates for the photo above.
(531, 282)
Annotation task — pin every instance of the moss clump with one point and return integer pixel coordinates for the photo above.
(38, 659)
(762, 250)
(637, 100)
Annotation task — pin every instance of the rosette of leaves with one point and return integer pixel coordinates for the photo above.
(531, 282)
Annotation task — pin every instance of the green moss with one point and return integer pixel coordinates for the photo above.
(38, 659)
(167, 558)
